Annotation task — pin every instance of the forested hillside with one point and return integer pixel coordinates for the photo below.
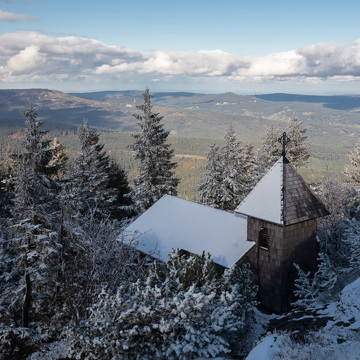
(73, 285)
(193, 120)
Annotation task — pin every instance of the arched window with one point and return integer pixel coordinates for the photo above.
(264, 238)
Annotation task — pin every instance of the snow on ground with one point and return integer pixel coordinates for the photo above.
(339, 339)
(348, 309)
(265, 349)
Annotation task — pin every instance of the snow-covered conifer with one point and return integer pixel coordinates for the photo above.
(57, 164)
(239, 297)
(122, 206)
(178, 312)
(91, 172)
(235, 184)
(229, 177)
(268, 153)
(249, 165)
(93, 258)
(352, 170)
(209, 186)
(185, 271)
(93, 180)
(338, 198)
(297, 150)
(5, 196)
(310, 286)
(30, 282)
(155, 173)
(352, 239)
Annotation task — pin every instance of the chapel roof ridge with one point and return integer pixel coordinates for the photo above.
(282, 197)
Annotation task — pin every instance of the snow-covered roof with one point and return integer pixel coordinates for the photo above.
(174, 223)
(264, 201)
(282, 197)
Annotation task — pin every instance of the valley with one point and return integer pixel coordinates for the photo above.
(194, 120)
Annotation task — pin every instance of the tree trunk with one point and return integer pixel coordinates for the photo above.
(26, 305)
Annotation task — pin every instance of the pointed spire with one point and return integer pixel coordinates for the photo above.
(282, 197)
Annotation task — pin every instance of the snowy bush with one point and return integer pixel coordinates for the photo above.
(339, 199)
(330, 344)
(309, 287)
(15, 343)
(179, 312)
(352, 239)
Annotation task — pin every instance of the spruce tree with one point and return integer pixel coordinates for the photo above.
(155, 173)
(183, 310)
(32, 248)
(209, 187)
(352, 170)
(122, 206)
(5, 197)
(297, 150)
(235, 184)
(94, 181)
(94, 194)
(57, 164)
(249, 165)
(229, 178)
(268, 153)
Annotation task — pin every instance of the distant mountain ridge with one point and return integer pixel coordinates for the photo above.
(329, 119)
(338, 102)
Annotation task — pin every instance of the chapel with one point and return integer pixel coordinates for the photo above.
(273, 228)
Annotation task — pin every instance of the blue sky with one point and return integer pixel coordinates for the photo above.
(211, 46)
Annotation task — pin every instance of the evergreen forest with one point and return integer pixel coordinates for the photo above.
(73, 285)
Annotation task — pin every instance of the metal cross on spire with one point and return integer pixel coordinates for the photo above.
(283, 140)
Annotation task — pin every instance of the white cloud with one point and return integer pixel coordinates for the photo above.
(26, 60)
(7, 16)
(30, 56)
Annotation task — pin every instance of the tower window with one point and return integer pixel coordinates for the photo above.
(264, 238)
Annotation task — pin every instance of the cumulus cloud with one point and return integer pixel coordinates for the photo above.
(26, 60)
(25, 56)
(7, 16)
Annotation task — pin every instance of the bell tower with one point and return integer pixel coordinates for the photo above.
(281, 215)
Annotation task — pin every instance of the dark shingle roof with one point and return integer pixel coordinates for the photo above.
(282, 197)
(299, 202)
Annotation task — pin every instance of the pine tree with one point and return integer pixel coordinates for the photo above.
(268, 153)
(122, 206)
(93, 258)
(155, 173)
(229, 178)
(309, 286)
(209, 186)
(239, 296)
(235, 184)
(352, 240)
(297, 150)
(352, 170)
(339, 199)
(94, 181)
(93, 198)
(5, 197)
(33, 248)
(249, 161)
(92, 162)
(57, 164)
(180, 311)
